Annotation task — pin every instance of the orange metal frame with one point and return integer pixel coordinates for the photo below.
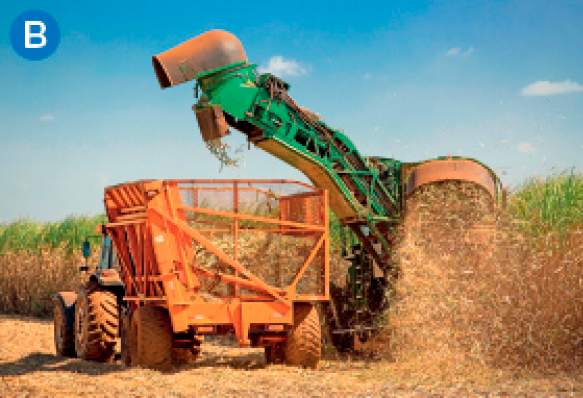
(149, 227)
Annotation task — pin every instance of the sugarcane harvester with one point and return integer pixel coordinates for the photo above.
(367, 194)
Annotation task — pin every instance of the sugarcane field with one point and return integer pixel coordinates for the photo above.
(411, 226)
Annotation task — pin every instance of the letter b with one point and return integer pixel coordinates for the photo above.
(35, 35)
(28, 35)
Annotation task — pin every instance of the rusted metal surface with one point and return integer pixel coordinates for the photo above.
(300, 208)
(203, 53)
(211, 122)
(444, 170)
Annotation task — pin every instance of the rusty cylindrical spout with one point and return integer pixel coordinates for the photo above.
(208, 51)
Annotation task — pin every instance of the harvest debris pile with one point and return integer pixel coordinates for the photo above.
(503, 300)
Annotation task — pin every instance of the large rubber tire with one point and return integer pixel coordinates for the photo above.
(151, 338)
(304, 340)
(96, 323)
(125, 342)
(64, 331)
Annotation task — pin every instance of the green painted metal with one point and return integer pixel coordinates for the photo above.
(246, 96)
(368, 191)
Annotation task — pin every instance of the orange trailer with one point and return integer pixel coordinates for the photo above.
(216, 257)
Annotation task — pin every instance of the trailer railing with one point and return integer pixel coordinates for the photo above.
(221, 254)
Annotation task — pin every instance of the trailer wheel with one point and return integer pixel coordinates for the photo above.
(64, 308)
(151, 338)
(126, 327)
(304, 340)
(96, 323)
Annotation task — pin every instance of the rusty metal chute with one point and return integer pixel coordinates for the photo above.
(203, 53)
(452, 170)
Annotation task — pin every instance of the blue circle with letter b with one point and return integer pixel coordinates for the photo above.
(35, 35)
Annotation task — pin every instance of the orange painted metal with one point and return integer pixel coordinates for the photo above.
(184, 244)
(275, 328)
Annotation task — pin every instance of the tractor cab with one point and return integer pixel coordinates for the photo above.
(107, 271)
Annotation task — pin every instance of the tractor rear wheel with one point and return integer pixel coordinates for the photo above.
(304, 339)
(96, 323)
(151, 338)
(64, 304)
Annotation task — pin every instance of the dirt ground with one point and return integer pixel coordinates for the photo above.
(28, 366)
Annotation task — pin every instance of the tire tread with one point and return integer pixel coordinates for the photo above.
(303, 347)
(103, 318)
(153, 333)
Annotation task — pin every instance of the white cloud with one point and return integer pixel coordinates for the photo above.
(456, 51)
(280, 67)
(367, 76)
(525, 147)
(544, 87)
(47, 118)
(469, 52)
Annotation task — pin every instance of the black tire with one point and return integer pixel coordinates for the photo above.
(64, 331)
(96, 323)
(151, 338)
(304, 340)
(126, 327)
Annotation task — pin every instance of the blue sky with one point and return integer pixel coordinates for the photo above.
(498, 81)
